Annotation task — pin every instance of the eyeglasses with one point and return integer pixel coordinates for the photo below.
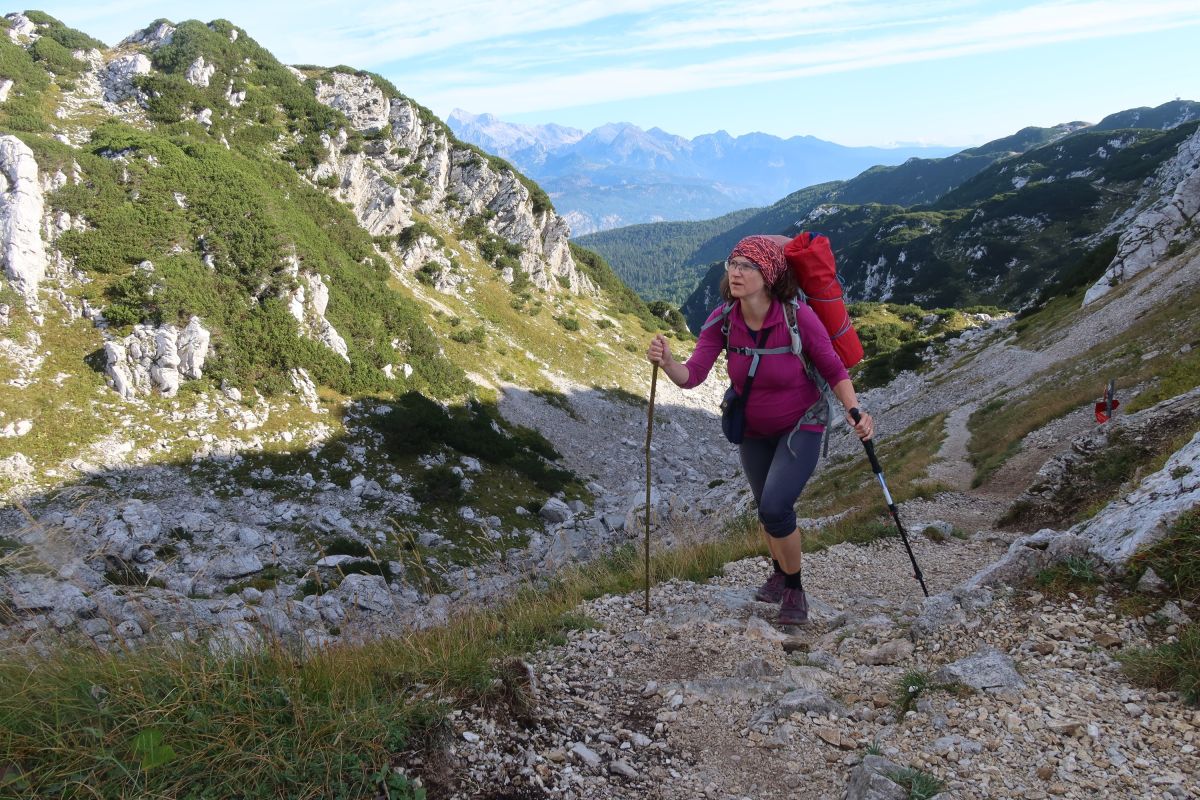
(741, 266)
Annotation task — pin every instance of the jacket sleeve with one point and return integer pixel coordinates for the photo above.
(818, 347)
(708, 347)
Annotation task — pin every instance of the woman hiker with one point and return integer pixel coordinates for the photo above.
(778, 451)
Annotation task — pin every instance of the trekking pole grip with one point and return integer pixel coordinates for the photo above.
(867, 444)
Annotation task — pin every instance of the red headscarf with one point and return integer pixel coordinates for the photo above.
(765, 253)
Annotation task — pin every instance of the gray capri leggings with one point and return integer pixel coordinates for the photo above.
(777, 477)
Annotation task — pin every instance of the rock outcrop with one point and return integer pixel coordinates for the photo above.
(20, 26)
(117, 77)
(418, 166)
(307, 303)
(21, 208)
(152, 36)
(1165, 223)
(1143, 517)
(156, 358)
(200, 72)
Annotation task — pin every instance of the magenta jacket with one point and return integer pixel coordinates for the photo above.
(782, 391)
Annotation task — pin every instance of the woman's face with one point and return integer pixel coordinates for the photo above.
(745, 279)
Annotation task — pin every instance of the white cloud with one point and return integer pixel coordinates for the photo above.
(790, 52)
(536, 55)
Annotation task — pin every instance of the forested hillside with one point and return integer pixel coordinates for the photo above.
(650, 254)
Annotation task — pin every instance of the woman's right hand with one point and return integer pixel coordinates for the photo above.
(658, 352)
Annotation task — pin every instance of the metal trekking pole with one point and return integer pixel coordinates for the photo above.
(869, 446)
(649, 431)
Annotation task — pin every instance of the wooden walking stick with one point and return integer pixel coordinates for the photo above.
(649, 431)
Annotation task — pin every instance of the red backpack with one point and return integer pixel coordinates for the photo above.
(810, 258)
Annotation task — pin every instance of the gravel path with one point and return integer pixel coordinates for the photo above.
(702, 698)
(950, 466)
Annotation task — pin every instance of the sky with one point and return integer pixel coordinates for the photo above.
(856, 72)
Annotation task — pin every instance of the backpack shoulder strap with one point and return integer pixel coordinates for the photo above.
(722, 318)
(789, 313)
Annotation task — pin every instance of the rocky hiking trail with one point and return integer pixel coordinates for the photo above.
(704, 697)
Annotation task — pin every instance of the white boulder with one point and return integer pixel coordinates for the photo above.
(200, 72)
(21, 205)
(20, 25)
(156, 358)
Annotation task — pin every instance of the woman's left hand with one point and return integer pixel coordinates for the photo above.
(865, 427)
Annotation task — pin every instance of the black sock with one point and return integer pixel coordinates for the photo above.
(792, 581)
(776, 565)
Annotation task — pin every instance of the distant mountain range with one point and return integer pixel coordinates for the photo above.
(619, 174)
(992, 224)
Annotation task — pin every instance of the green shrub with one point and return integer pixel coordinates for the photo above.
(919, 784)
(440, 484)
(56, 58)
(1176, 557)
(344, 545)
(911, 686)
(428, 273)
(474, 335)
(23, 110)
(409, 236)
(1174, 665)
(416, 425)
(1076, 574)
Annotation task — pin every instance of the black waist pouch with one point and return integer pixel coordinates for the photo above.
(733, 416)
(733, 405)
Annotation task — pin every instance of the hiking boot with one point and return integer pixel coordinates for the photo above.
(793, 607)
(772, 590)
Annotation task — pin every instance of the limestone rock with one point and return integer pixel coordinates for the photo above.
(367, 181)
(869, 781)
(804, 700)
(1142, 517)
(21, 208)
(987, 669)
(235, 565)
(555, 510)
(21, 26)
(307, 303)
(192, 346)
(200, 72)
(152, 37)
(156, 358)
(890, 652)
(368, 592)
(42, 593)
(306, 389)
(363, 103)
(938, 611)
(585, 755)
(16, 467)
(1151, 583)
(117, 77)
